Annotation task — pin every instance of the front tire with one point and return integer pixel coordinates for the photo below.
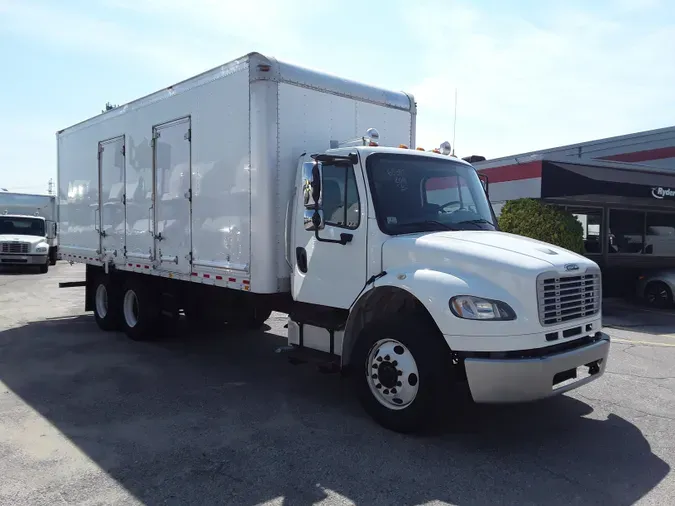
(402, 372)
(140, 311)
(44, 268)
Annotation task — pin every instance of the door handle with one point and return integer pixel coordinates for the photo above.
(301, 258)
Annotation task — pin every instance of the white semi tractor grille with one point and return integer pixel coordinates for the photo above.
(565, 298)
(20, 248)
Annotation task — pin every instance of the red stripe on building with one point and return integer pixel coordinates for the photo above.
(514, 172)
(642, 156)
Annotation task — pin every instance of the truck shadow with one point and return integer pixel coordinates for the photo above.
(223, 419)
(17, 270)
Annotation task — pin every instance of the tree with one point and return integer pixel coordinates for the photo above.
(532, 218)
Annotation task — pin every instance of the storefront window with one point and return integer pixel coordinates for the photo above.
(660, 234)
(626, 229)
(591, 223)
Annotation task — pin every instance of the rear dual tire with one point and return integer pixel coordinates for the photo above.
(140, 312)
(131, 307)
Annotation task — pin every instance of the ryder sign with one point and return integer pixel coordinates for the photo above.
(660, 193)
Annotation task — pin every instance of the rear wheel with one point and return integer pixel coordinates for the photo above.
(52, 256)
(106, 304)
(402, 372)
(140, 311)
(658, 295)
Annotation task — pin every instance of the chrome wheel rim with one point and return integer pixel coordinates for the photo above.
(102, 301)
(130, 307)
(392, 374)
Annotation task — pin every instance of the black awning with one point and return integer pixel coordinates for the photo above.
(606, 183)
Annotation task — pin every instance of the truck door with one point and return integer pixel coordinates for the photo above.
(330, 273)
(171, 146)
(111, 212)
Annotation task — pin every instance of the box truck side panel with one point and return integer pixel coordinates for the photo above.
(78, 190)
(308, 121)
(196, 135)
(221, 214)
(111, 176)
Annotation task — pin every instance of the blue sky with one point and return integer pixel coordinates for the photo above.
(530, 74)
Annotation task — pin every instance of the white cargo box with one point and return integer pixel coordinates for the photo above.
(195, 179)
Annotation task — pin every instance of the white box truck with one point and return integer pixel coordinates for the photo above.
(261, 186)
(28, 230)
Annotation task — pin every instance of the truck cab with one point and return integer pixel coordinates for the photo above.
(401, 251)
(23, 241)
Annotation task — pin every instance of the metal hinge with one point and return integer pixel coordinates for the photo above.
(188, 194)
(153, 141)
(188, 135)
(124, 150)
(124, 199)
(100, 150)
(189, 257)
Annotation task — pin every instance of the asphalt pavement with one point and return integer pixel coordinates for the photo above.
(88, 417)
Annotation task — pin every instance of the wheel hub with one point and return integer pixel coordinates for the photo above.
(392, 375)
(387, 374)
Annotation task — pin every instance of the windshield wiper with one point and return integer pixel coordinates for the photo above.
(426, 222)
(476, 222)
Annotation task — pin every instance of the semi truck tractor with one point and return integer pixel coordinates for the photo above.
(28, 230)
(262, 186)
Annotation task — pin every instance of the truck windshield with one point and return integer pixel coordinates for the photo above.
(420, 194)
(21, 226)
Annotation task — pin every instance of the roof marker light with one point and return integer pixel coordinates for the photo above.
(403, 146)
(372, 136)
(419, 148)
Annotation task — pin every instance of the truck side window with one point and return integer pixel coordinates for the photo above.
(341, 207)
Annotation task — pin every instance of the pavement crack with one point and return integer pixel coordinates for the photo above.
(656, 378)
(615, 404)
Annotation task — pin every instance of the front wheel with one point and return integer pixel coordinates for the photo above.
(402, 372)
(44, 268)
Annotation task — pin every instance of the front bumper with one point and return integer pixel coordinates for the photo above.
(40, 259)
(549, 372)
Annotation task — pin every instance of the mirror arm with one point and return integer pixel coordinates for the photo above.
(344, 238)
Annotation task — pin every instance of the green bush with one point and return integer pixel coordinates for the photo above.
(534, 219)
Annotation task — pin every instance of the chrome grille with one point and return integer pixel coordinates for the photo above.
(20, 248)
(564, 298)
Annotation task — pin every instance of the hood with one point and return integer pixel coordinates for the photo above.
(31, 239)
(483, 253)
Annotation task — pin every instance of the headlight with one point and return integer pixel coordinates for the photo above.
(41, 249)
(476, 308)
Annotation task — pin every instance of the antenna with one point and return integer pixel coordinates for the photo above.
(454, 126)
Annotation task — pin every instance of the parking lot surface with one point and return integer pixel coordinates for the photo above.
(88, 417)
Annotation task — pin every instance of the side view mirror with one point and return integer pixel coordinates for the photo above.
(312, 177)
(486, 183)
